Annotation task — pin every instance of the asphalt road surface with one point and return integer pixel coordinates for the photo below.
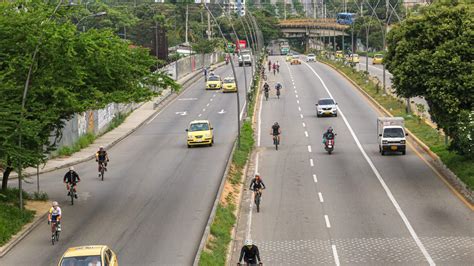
(353, 207)
(157, 195)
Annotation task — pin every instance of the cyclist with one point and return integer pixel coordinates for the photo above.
(274, 68)
(269, 65)
(276, 131)
(71, 178)
(278, 88)
(257, 183)
(266, 89)
(250, 253)
(54, 215)
(204, 71)
(102, 157)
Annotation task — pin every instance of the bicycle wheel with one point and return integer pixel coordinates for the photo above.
(71, 192)
(56, 235)
(257, 201)
(52, 239)
(102, 171)
(275, 141)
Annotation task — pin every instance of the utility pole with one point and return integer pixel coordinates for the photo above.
(186, 37)
(285, 10)
(387, 6)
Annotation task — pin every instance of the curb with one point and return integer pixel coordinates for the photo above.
(22, 234)
(447, 175)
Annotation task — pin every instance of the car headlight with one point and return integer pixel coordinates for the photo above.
(402, 142)
(384, 142)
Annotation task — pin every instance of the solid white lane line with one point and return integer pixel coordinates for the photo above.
(259, 122)
(304, 125)
(336, 257)
(306, 133)
(309, 148)
(311, 162)
(315, 178)
(298, 101)
(379, 177)
(301, 115)
(243, 109)
(207, 104)
(299, 108)
(328, 224)
(320, 197)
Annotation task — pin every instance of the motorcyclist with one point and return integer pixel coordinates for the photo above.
(329, 134)
(276, 131)
(71, 178)
(250, 253)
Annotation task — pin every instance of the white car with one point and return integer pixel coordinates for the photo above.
(326, 106)
(311, 58)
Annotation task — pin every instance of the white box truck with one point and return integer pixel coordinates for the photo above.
(391, 134)
(245, 57)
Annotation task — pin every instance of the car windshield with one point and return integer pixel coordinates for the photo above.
(81, 261)
(199, 127)
(295, 57)
(228, 80)
(378, 56)
(393, 133)
(213, 78)
(311, 55)
(326, 102)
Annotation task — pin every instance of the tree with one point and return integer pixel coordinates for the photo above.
(73, 72)
(432, 55)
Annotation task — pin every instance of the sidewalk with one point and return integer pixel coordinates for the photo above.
(137, 118)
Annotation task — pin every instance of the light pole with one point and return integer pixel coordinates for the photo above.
(235, 76)
(98, 14)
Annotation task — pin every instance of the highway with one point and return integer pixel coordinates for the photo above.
(157, 195)
(353, 207)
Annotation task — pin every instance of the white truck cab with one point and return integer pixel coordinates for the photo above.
(391, 134)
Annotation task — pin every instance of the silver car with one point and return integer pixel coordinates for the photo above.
(311, 58)
(326, 107)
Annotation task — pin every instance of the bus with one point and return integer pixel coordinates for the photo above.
(345, 18)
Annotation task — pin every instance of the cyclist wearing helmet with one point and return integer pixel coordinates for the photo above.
(101, 156)
(54, 215)
(276, 131)
(266, 87)
(329, 134)
(71, 178)
(250, 253)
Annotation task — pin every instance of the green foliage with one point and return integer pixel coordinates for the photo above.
(83, 142)
(205, 46)
(41, 196)
(432, 55)
(72, 72)
(12, 220)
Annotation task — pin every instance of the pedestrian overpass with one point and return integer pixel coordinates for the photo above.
(312, 28)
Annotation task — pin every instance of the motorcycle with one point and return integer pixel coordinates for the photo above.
(329, 145)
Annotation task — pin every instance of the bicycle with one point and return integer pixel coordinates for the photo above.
(54, 232)
(274, 71)
(275, 141)
(258, 198)
(72, 193)
(101, 170)
(266, 95)
(278, 93)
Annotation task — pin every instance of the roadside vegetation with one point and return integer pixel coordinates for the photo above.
(461, 165)
(215, 251)
(12, 218)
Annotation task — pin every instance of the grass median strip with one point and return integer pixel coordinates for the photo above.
(461, 166)
(12, 219)
(215, 251)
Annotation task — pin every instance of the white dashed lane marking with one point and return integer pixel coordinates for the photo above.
(301, 115)
(304, 125)
(299, 108)
(298, 101)
(199, 115)
(326, 218)
(315, 178)
(309, 148)
(311, 162)
(320, 197)
(204, 109)
(306, 133)
(207, 104)
(296, 95)
(336, 257)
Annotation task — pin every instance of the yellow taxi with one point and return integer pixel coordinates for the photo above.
(228, 85)
(295, 60)
(89, 255)
(378, 59)
(353, 58)
(339, 54)
(200, 132)
(213, 82)
(289, 56)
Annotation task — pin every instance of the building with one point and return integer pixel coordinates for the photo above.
(411, 3)
(237, 6)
